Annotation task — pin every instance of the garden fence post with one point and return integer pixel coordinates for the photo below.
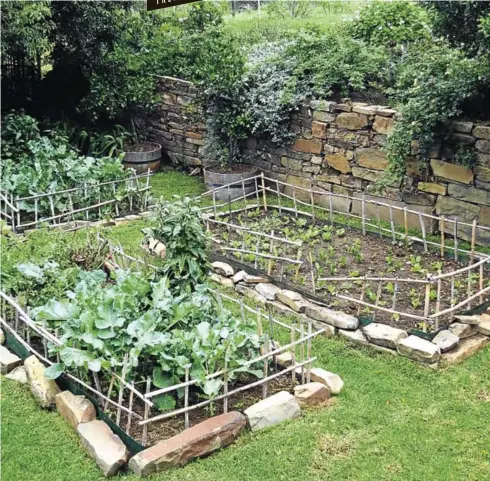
(264, 194)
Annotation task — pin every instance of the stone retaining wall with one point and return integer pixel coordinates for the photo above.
(338, 148)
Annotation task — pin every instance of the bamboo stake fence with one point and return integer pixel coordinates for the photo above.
(274, 194)
(117, 393)
(127, 195)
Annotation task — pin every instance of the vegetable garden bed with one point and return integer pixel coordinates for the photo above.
(357, 263)
(230, 363)
(78, 206)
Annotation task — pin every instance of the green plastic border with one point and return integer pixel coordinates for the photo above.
(67, 385)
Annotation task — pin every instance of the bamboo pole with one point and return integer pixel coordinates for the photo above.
(186, 399)
(462, 303)
(146, 413)
(361, 298)
(121, 390)
(443, 235)
(308, 352)
(293, 356)
(456, 239)
(109, 392)
(131, 394)
(363, 210)
(264, 196)
(230, 393)
(385, 309)
(422, 229)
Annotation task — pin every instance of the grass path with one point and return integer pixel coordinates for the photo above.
(394, 421)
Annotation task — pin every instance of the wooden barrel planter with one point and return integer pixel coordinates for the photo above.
(146, 155)
(215, 177)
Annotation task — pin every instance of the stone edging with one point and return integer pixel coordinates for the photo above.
(111, 454)
(463, 338)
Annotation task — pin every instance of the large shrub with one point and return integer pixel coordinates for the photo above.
(391, 23)
(432, 86)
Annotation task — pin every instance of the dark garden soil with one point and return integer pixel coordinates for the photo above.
(165, 429)
(340, 251)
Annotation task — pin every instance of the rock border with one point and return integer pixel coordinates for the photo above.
(449, 346)
(110, 453)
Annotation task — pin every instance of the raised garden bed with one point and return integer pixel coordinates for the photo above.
(133, 403)
(78, 206)
(353, 262)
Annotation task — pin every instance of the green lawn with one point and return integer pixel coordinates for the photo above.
(394, 421)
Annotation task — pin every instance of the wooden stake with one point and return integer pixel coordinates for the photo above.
(293, 356)
(443, 235)
(131, 394)
(405, 224)
(308, 352)
(271, 248)
(264, 196)
(422, 228)
(186, 397)
(121, 390)
(455, 239)
(363, 211)
(109, 392)
(144, 437)
(278, 197)
(473, 241)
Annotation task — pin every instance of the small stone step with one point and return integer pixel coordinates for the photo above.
(333, 381)
(484, 326)
(292, 299)
(105, 447)
(311, 394)
(75, 409)
(465, 349)
(8, 360)
(285, 359)
(238, 277)
(18, 374)
(272, 410)
(356, 337)
(223, 269)
(473, 320)
(462, 330)
(419, 350)
(251, 279)
(334, 318)
(446, 340)
(44, 390)
(384, 335)
(267, 290)
(197, 441)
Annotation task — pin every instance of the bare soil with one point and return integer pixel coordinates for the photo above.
(348, 253)
(165, 429)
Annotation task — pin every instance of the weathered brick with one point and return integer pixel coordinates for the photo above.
(323, 116)
(451, 171)
(483, 146)
(482, 132)
(469, 194)
(318, 129)
(366, 174)
(432, 188)
(338, 162)
(351, 121)
(292, 164)
(383, 125)
(362, 108)
(456, 208)
(463, 127)
(310, 146)
(372, 159)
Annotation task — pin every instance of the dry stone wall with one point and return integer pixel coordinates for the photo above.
(338, 148)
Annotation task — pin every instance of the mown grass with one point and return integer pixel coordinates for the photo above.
(394, 421)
